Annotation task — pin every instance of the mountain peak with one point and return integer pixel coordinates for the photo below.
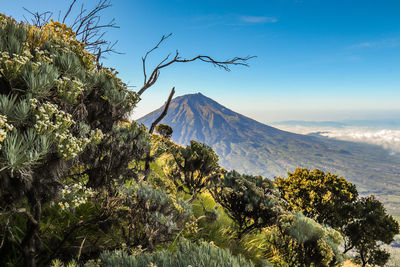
(193, 97)
(198, 117)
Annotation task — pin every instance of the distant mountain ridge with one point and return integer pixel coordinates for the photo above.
(251, 147)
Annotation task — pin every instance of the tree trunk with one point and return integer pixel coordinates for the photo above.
(29, 243)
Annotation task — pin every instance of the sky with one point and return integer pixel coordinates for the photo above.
(316, 59)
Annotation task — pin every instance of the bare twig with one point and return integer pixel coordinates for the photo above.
(69, 10)
(87, 25)
(163, 38)
(38, 19)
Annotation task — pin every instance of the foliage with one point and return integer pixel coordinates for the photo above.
(164, 130)
(301, 241)
(85, 225)
(324, 197)
(215, 226)
(193, 167)
(148, 217)
(251, 201)
(186, 254)
(371, 227)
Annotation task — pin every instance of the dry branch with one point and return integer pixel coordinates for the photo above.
(151, 80)
(153, 125)
(162, 115)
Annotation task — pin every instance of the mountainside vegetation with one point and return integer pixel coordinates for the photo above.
(254, 148)
(75, 190)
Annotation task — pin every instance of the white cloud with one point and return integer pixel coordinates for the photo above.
(258, 19)
(386, 138)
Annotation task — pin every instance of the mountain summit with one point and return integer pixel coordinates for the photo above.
(197, 117)
(251, 147)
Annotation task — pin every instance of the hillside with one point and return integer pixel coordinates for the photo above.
(251, 147)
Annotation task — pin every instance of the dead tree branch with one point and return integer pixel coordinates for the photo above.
(151, 80)
(69, 10)
(153, 126)
(162, 115)
(163, 38)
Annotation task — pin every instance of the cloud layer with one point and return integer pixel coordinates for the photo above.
(388, 139)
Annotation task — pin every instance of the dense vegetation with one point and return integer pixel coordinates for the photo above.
(74, 190)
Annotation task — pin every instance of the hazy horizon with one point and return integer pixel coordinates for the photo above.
(268, 116)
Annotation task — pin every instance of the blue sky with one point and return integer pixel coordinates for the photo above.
(316, 59)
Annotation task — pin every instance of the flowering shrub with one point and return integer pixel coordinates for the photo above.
(51, 120)
(11, 66)
(58, 109)
(4, 128)
(74, 195)
(69, 89)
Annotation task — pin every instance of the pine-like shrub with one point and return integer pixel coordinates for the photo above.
(186, 254)
(147, 217)
(251, 201)
(301, 241)
(194, 166)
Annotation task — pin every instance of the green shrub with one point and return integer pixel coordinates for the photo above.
(193, 167)
(322, 196)
(371, 228)
(186, 254)
(164, 130)
(301, 241)
(251, 201)
(331, 200)
(148, 217)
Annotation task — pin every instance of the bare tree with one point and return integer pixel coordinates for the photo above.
(87, 25)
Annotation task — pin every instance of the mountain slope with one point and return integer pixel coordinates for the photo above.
(251, 147)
